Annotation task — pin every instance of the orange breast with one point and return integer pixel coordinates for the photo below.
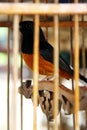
(45, 67)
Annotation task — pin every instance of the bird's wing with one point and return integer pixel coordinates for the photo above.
(47, 54)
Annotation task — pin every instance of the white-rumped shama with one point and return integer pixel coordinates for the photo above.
(46, 65)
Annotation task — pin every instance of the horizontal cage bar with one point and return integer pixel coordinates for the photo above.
(42, 9)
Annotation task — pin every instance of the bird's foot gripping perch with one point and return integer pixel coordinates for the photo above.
(26, 89)
(45, 97)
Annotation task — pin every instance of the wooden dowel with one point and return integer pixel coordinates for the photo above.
(36, 69)
(15, 71)
(42, 9)
(49, 24)
(56, 70)
(76, 74)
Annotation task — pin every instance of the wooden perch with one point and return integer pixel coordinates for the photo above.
(46, 90)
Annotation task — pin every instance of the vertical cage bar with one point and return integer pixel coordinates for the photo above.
(72, 63)
(36, 68)
(83, 51)
(21, 99)
(46, 18)
(8, 80)
(15, 70)
(21, 73)
(21, 96)
(56, 69)
(84, 62)
(83, 54)
(76, 67)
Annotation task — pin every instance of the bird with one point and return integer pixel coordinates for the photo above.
(46, 50)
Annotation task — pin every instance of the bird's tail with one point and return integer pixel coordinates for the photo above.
(83, 78)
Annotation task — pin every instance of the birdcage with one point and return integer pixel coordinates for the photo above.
(51, 97)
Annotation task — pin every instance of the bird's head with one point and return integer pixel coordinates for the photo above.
(26, 27)
(27, 30)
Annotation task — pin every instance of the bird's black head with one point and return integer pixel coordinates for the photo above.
(27, 30)
(26, 27)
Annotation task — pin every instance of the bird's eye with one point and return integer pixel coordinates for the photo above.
(28, 26)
